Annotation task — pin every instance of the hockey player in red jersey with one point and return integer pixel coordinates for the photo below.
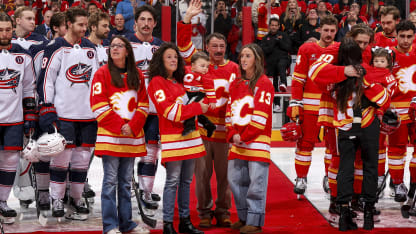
(222, 72)
(304, 103)
(404, 101)
(18, 105)
(198, 84)
(389, 17)
(69, 64)
(249, 127)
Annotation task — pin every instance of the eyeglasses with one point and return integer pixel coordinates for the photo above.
(119, 46)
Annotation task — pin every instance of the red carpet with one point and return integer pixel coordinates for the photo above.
(284, 213)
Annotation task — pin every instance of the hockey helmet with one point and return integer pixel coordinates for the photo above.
(390, 122)
(51, 144)
(30, 152)
(291, 131)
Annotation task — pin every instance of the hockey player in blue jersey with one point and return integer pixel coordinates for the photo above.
(144, 45)
(69, 64)
(17, 91)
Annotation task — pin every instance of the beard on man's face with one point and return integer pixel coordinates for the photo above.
(5, 42)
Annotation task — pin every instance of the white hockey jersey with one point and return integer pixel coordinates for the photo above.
(17, 81)
(35, 44)
(102, 53)
(143, 53)
(66, 76)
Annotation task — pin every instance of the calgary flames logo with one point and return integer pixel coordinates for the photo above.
(237, 112)
(79, 73)
(405, 79)
(124, 103)
(9, 79)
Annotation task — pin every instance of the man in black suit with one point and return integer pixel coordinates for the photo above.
(44, 29)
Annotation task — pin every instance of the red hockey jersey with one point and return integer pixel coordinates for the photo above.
(302, 87)
(113, 107)
(169, 98)
(250, 115)
(222, 75)
(196, 82)
(404, 70)
(380, 39)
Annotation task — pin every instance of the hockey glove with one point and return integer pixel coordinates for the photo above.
(47, 118)
(30, 115)
(291, 131)
(295, 110)
(390, 122)
(412, 109)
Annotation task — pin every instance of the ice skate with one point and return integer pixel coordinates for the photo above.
(381, 185)
(44, 200)
(325, 185)
(147, 201)
(300, 186)
(58, 209)
(88, 195)
(155, 197)
(77, 210)
(400, 191)
(7, 214)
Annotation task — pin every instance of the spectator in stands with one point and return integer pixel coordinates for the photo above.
(58, 26)
(44, 29)
(370, 10)
(119, 28)
(351, 21)
(412, 17)
(322, 10)
(308, 32)
(85, 3)
(92, 8)
(355, 6)
(341, 8)
(235, 37)
(292, 18)
(126, 9)
(276, 46)
(222, 19)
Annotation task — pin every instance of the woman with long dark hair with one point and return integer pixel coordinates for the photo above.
(166, 90)
(356, 103)
(120, 104)
(249, 125)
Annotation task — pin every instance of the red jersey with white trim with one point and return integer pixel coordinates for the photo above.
(404, 70)
(375, 92)
(302, 87)
(380, 39)
(66, 76)
(196, 82)
(250, 115)
(222, 75)
(17, 81)
(113, 107)
(169, 98)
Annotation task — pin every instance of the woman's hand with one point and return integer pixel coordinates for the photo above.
(126, 130)
(237, 139)
(194, 8)
(204, 106)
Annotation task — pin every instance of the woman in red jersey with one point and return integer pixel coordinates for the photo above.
(249, 125)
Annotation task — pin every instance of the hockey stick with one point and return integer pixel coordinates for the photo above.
(150, 222)
(383, 185)
(409, 210)
(34, 185)
(1, 227)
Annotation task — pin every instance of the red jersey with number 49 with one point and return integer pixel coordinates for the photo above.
(404, 70)
(250, 115)
(196, 82)
(302, 87)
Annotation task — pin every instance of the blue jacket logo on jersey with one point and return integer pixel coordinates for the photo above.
(9, 79)
(142, 64)
(79, 73)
